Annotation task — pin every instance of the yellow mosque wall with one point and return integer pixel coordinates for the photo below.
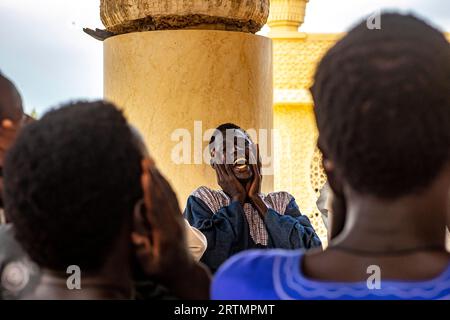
(298, 162)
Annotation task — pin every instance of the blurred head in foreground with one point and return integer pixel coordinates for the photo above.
(382, 105)
(72, 180)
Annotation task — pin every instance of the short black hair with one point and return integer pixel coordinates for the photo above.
(223, 130)
(382, 105)
(71, 181)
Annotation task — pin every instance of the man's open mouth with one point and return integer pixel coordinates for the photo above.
(241, 164)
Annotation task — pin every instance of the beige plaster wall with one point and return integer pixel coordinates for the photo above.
(166, 80)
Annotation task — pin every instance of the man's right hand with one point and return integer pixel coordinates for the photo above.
(229, 183)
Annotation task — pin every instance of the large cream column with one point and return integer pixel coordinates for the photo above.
(168, 80)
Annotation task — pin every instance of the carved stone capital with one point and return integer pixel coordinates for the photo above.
(123, 16)
(287, 15)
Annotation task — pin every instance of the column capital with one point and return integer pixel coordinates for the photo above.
(123, 16)
(287, 15)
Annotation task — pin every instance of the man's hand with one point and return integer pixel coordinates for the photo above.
(254, 186)
(229, 183)
(160, 240)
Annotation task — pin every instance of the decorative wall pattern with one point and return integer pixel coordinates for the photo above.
(295, 61)
(298, 165)
(298, 162)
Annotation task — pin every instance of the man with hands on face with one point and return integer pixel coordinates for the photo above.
(239, 217)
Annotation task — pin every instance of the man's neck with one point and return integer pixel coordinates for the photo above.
(404, 223)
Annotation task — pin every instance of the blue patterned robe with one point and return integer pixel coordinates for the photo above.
(231, 228)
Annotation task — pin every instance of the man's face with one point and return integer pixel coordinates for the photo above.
(10, 101)
(12, 119)
(236, 149)
(8, 133)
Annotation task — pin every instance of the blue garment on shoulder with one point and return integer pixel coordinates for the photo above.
(276, 275)
(227, 230)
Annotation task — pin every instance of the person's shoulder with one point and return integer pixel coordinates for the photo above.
(249, 274)
(213, 199)
(7, 239)
(6, 228)
(283, 196)
(279, 200)
(204, 192)
(280, 194)
(10, 248)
